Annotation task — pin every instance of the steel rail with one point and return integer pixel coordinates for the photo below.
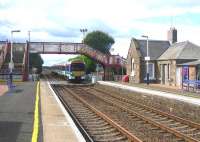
(129, 135)
(78, 124)
(171, 116)
(157, 124)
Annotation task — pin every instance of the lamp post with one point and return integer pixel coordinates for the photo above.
(29, 36)
(122, 67)
(11, 64)
(147, 58)
(83, 31)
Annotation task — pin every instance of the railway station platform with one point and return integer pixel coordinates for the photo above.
(18, 115)
(171, 95)
(57, 124)
(17, 112)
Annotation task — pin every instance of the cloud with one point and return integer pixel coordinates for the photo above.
(61, 20)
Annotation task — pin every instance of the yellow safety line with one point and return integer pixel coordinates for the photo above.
(36, 116)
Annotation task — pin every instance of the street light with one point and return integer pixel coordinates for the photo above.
(29, 36)
(11, 64)
(83, 31)
(122, 67)
(147, 58)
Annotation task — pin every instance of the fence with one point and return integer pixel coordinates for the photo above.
(193, 85)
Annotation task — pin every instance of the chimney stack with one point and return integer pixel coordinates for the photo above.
(172, 35)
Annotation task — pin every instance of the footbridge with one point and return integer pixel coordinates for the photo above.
(106, 60)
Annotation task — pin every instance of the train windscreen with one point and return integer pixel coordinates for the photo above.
(77, 67)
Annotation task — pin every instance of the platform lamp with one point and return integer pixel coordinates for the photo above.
(147, 58)
(11, 64)
(122, 63)
(83, 31)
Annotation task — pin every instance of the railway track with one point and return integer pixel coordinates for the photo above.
(171, 127)
(95, 125)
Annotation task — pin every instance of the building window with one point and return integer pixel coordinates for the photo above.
(118, 60)
(132, 64)
(132, 67)
(151, 71)
(168, 71)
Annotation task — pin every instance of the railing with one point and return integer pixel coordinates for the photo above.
(191, 84)
(75, 48)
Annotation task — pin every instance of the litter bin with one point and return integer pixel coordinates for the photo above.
(94, 79)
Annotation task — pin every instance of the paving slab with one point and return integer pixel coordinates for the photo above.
(56, 127)
(174, 96)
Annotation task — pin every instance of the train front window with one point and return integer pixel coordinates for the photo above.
(77, 67)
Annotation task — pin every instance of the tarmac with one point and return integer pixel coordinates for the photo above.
(25, 118)
(16, 112)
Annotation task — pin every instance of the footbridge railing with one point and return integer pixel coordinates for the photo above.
(75, 48)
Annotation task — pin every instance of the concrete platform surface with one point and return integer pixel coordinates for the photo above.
(191, 100)
(16, 113)
(57, 125)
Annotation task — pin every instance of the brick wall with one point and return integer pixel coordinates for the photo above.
(135, 54)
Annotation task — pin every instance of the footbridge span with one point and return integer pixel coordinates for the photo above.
(106, 60)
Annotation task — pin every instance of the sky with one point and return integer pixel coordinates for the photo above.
(61, 20)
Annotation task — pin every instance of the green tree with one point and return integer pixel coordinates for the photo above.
(35, 61)
(99, 40)
(90, 64)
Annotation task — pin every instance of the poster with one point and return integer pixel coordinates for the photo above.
(185, 73)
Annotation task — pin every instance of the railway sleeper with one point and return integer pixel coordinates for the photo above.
(172, 125)
(99, 128)
(189, 130)
(98, 125)
(111, 134)
(111, 139)
(103, 131)
(183, 127)
(96, 122)
(161, 119)
(195, 133)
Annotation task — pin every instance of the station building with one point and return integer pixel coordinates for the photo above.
(170, 62)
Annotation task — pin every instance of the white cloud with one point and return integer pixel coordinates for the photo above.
(121, 19)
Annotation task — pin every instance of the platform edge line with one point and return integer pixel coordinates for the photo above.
(36, 115)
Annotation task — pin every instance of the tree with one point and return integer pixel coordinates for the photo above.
(90, 64)
(100, 41)
(35, 61)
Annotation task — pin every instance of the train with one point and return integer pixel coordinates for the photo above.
(73, 71)
(76, 70)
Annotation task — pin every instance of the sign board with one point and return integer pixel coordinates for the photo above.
(11, 65)
(147, 58)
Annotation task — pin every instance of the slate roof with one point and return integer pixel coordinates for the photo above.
(181, 50)
(156, 48)
(194, 63)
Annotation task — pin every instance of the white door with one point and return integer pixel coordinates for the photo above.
(178, 76)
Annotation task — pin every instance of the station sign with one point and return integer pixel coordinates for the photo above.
(11, 65)
(147, 58)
